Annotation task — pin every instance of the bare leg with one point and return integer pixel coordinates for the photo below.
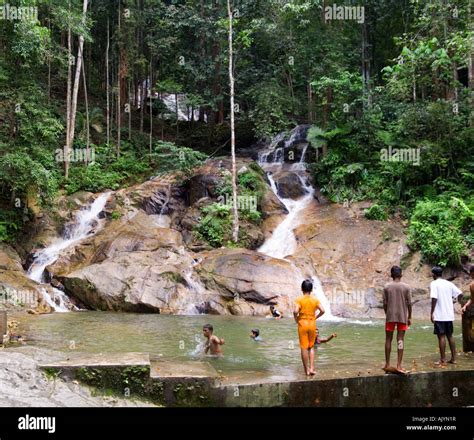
(388, 348)
(311, 361)
(400, 345)
(452, 346)
(442, 348)
(304, 358)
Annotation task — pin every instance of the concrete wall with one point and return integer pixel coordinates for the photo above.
(437, 389)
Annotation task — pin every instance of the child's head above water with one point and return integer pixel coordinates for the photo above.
(307, 286)
(207, 329)
(255, 332)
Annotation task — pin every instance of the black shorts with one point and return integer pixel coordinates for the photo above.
(443, 328)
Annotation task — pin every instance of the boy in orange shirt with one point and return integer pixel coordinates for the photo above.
(305, 316)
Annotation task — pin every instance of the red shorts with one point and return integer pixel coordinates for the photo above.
(390, 326)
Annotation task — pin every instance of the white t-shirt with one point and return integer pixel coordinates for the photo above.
(444, 291)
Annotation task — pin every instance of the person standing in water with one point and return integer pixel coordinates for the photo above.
(305, 316)
(442, 294)
(397, 306)
(213, 345)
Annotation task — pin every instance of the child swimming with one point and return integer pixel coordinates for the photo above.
(320, 340)
(213, 345)
(255, 334)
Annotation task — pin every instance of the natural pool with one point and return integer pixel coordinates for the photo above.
(357, 350)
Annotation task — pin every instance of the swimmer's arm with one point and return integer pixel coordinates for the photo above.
(296, 312)
(321, 311)
(218, 341)
(465, 306)
(323, 340)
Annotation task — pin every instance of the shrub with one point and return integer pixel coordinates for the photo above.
(376, 212)
(441, 229)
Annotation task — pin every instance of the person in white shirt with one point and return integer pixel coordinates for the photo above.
(442, 294)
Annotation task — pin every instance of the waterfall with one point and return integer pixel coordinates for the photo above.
(282, 242)
(198, 304)
(86, 223)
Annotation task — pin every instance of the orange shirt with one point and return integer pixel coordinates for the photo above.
(308, 306)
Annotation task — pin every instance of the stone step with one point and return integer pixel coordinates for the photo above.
(80, 360)
(189, 370)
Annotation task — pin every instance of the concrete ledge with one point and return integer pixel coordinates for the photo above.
(197, 384)
(437, 389)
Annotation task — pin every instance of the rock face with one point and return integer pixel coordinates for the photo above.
(353, 257)
(289, 185)
(249, 282)
(130, 265)
(132, 282)
(16, 289)
(146, 257)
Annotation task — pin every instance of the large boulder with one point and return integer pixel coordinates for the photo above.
(289, 185)
(16, 289)
(249, 282)
(137, 232)
(148, 281)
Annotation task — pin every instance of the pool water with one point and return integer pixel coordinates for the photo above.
(357, 350)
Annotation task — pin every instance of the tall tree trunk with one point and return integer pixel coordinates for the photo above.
(366, 62)
(235, 212)
(67, 147)
(310, 102)
(142, 104)
(177, 115)
(130, 100)
(77, 77)
(150, 146)
(119, 86)
(108, 81)
(470, 68)
(86, 102)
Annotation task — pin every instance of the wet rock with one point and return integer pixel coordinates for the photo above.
(289, 185)
(16, 289)
(249, 281)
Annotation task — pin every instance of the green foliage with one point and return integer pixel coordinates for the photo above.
(376, 212)
(215, 226)
(21, 174)
(270, 112)
(439, 227)
(170, 157)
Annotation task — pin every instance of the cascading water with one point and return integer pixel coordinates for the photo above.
(198, 302)
(86, 223)
(282, 242)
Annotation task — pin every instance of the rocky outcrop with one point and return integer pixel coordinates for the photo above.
(353, 257)
(148, 281)
(16, 289)
(289, 185)
(249, 282)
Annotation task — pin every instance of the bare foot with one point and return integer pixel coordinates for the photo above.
(401, 370)
(312, 373)
(440, 364)
(452, 361)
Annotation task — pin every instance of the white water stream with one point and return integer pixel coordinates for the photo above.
(282, 242)
(86, 223)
